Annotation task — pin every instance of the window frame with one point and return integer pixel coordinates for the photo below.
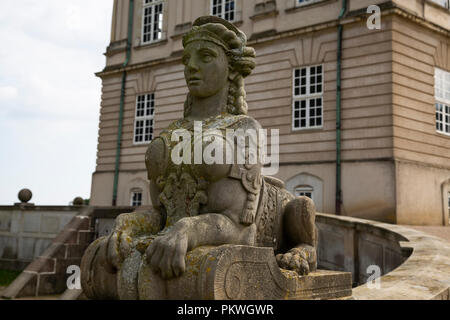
(307, 97)
(132, 200)
(448, 195)
(153, 4)
(223, 4)
(146, 117)
(305, 3)
(442, 101)
(304, 190)
(442, 3)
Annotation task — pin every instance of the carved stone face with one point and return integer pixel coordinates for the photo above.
(206, 68)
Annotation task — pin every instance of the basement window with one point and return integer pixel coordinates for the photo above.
(449, 206)
(136, 198)
(304, 191)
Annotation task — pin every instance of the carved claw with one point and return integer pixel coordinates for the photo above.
(294, 262)
(301, 259)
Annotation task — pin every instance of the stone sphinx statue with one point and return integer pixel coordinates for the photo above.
(206, 213)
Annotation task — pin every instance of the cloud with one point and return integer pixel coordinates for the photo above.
(49, 96)
(8, 93)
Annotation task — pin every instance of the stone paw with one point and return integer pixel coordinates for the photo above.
(295, 260)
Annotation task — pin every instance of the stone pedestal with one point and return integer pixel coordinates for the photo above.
(230, 272)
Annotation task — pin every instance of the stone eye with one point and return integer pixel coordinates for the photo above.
(185, 60)
(207, 56)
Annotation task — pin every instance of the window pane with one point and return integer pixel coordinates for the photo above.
(225, 9)
(315, 112)
(304, 192)
(152, 21)
(229, 10)
(144, 123)
(136, 199)
(308, 84)
(300, 82)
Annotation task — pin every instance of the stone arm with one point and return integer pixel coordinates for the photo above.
(166, 254)
(128, 230)
(131, 228)
(215, 230)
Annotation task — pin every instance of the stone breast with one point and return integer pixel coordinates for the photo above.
(183, 186)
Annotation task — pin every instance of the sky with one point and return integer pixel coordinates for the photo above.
(50, 97)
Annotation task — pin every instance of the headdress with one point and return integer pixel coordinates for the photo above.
(241, 58)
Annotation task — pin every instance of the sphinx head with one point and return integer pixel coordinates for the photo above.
(216, 55)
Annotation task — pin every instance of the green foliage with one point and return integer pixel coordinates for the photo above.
(8, 276)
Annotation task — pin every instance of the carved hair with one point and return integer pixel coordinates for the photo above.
(241, 59)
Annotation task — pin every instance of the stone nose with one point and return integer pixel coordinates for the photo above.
(192, 66)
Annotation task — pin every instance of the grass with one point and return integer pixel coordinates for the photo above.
(7, 276)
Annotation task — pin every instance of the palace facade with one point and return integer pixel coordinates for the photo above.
(363, 109)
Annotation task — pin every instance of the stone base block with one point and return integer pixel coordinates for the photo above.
(231, 272)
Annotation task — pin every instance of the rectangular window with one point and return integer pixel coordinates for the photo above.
(308, 98)
(225, 9)
(136, 198)
(442, 92)
(152, 21)
(144, 121)
(305, 2)
(444, 3)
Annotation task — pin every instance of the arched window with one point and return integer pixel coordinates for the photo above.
(305, 191)
(448, 207)
(445, 189)
(308, 185)
(136, 198)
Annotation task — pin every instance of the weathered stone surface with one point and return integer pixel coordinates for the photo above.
(199, 202)
(50, 224)
(25, 195)
(47, 274)
(5, 221)
(227, 272)
(413, 265)
(32, 222)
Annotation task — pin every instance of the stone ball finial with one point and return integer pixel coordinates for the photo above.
(78, 201)
(25, 195)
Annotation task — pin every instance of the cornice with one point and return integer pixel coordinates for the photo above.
(388, 8)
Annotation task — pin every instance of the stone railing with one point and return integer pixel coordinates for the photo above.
(27, 230)
(413, 265)
(47, 274)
